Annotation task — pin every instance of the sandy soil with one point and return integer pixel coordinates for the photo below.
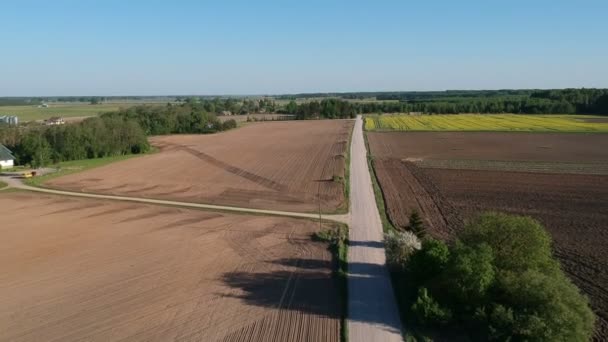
(573, 207)
(82, 269)
(274, 165)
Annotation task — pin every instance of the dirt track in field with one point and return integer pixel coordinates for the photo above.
(573, 207)
(276, 165)
(82, 269)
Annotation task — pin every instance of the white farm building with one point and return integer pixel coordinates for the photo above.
(6, 158)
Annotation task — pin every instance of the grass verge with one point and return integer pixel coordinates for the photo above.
(73, 166)
(346, 180)
(378, 194)
(2, 185)
(337, 237)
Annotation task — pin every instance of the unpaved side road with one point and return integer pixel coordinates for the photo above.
(372, 309)
(17, 184)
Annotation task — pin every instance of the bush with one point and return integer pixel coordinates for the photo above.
(428, 311)
(471, 269)
(429, 261)
(334, 236)
(500, 282)
(337, 179)
(519, 243)
(229, 124)
(399, 246)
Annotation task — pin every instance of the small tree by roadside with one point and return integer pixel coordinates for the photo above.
(416, 225)
(399, 246)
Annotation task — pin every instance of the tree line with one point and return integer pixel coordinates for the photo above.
(189, 117)
(233, 105)
(93, 138)
(327, 108)
(562, 101)
(110, 134)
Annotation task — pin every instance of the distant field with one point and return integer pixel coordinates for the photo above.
(494, 122)
(286, 165)
(31, 113)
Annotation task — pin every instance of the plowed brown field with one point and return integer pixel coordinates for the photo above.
(92, 270)
(274, 165)
(573, 207)
(548, 147)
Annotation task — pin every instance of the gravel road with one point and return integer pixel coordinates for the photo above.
(17, 184)
(372, 309)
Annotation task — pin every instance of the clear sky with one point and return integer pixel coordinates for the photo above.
(152, 47)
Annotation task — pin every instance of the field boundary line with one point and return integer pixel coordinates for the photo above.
(14, 183)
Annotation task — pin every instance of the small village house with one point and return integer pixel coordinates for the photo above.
(6, 158)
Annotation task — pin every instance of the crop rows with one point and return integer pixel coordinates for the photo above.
(92, 270)
(520, 166)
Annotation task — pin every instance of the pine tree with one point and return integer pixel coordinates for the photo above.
(416, 225)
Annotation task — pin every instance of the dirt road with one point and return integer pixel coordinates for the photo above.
(16, 183)
(372, 310)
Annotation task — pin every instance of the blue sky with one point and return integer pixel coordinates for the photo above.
(268, 47)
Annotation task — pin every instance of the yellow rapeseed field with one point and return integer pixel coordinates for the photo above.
(488, 122)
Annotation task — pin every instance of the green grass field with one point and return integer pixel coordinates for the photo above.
(488, 123)
(73, 166)
(30, 113)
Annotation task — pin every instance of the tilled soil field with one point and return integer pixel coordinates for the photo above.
(275, 165)
(92, 270)
(573, 207)
(547, 147)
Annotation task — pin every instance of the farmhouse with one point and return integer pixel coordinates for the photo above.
(6, 157)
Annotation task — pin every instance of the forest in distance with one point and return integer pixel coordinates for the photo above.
(348, 105)
(562, 101)
(344, 105)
